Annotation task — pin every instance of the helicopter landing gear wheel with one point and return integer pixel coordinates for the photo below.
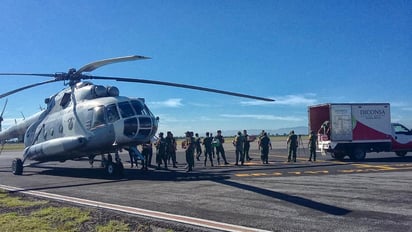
(110, 168)
(114, 169)
(17, 167)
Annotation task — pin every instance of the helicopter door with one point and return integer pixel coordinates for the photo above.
(103, 132)
(98, 117)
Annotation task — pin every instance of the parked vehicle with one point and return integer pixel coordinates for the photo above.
(354, 129)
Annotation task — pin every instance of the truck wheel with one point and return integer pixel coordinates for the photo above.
(401, 153)
(358, 155)
(338, 156)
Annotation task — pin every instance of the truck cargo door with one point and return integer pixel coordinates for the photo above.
(341, 122)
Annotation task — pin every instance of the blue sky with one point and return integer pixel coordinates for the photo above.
(297, 52)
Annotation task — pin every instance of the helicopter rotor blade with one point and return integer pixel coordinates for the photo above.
(28, 74)
(26, 87)
(122, 79)
(97, 64)
(4, 108)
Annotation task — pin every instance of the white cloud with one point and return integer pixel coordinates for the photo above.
(285, 100)
(262, 117)
(170, 103)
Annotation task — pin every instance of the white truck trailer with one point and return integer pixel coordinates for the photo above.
(354, 129)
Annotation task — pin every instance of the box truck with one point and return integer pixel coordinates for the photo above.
(354, 129)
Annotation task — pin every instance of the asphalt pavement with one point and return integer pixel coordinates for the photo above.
(327, 195)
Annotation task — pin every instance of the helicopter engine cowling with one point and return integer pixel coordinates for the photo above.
(87, 91)
(46, 150)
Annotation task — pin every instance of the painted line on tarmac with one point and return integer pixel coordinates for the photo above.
(138, 211)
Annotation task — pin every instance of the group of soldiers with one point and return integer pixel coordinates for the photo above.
(213, 146)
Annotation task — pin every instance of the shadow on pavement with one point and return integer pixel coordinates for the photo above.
(329, 209)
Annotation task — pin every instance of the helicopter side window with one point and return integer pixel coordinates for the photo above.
(126, 109)
(138, 107)
(65, 100)
(98, 116)
(112, 113)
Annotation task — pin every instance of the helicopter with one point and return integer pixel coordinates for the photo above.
(85, 120)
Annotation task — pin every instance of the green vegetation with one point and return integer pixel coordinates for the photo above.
(113, 226)
(13, 146)
(17, 214)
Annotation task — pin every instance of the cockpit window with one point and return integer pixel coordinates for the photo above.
(112, 113)
(126, 109)
(138, 107)
(147, 111)
(98, 116)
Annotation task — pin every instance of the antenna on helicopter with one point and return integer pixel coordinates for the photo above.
(2, 112)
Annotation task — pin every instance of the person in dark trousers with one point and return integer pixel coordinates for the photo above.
(219, 147)
(246, 147)
(198, 146)
(147, 152)
(239, 143)
(313, 142)
(171, 148)
(207, 143)
(133, 158)
(189, 146)
(292, 145)
(213, 145)
(264, 145)
(161, 146)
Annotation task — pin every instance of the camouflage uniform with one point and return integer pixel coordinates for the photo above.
(219, 147)
(293, 145)
(246, 147)
(171, 148)
(313, 139)
(264, 144)
(207, 142)
(189, 145)
(161, 146)
(238, 142)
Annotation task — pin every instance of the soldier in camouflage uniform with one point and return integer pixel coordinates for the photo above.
(292, 145)
(207, 142)
(313, 141)
(161, 145)
(189, 146)
(239, 143)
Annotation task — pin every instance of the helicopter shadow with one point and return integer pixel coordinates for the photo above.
(300, 201)
(131, 174)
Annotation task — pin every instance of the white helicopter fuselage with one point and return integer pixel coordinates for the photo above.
(93, 120)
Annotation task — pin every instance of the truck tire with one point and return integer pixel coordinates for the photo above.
(358, 155)
(338, 156)
(401, 153)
